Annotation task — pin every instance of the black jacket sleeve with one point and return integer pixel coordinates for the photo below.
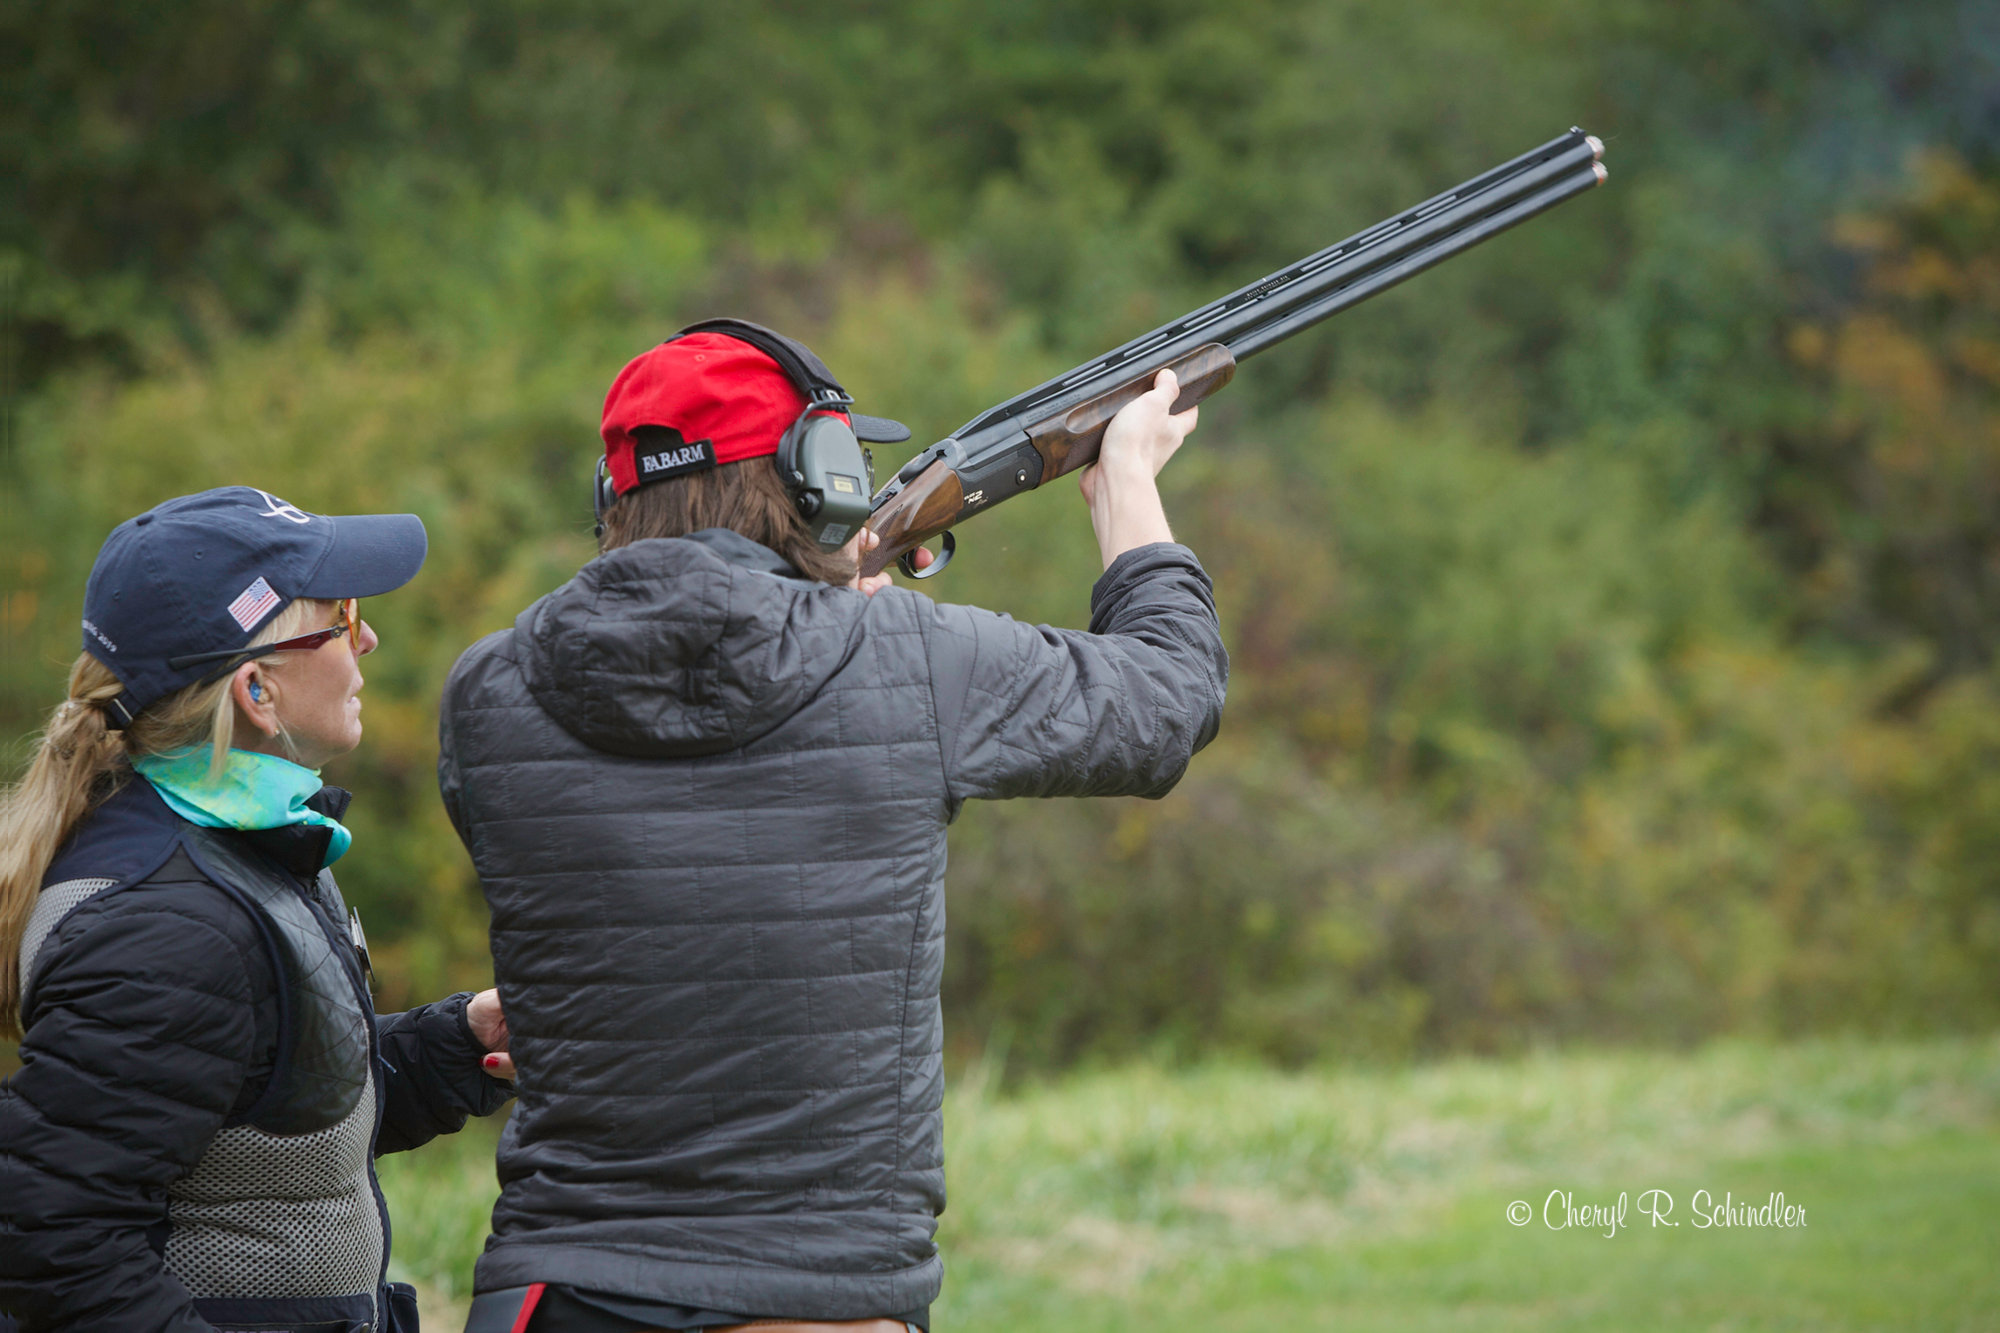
(1118, 711)
(432, 1078)
(142, 1034)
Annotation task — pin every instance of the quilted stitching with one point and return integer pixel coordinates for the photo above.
(707, 806)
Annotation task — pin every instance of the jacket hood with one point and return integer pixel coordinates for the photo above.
(687, 646)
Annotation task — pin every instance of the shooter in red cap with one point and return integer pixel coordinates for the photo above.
(706, 785)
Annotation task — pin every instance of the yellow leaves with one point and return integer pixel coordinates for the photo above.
(1868, 235)
(1937, 246)
(1978, 356)
(1807, 344)
(1874, 353)
(1927, 272)
(17, 609)
(1913, 418)
(20, 603)
(1946, 184)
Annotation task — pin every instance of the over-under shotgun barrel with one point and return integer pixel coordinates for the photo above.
(1057, 426)
(1339, 296)
(1307, 278)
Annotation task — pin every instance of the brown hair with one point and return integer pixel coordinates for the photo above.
(80, 763)
(745, 496)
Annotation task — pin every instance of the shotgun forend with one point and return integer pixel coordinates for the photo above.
(1057, 427)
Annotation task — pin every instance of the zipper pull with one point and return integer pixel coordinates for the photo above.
(359, 939)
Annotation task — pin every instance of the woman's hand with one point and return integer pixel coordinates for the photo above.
(489, 1028)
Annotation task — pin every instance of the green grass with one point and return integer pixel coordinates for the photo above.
(1240, 1198)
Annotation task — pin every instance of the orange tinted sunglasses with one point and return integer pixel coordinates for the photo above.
(348, 624)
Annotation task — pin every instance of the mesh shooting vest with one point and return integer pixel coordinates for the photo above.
(278, 1220)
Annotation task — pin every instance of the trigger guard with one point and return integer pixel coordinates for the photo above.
(907, 559)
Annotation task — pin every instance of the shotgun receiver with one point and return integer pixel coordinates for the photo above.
(1056, 427)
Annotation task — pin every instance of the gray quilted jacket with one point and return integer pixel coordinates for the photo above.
(707, 803)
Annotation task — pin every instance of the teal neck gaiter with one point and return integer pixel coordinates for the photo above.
(254, 791)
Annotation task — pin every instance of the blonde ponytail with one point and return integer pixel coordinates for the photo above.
(80, 763)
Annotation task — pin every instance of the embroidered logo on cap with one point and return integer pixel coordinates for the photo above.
(100, 636)
(281, 509)
(253, 603)
(669, 458)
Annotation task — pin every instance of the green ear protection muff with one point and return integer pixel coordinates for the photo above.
(828, 473)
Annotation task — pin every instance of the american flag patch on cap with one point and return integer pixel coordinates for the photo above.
(252, 604)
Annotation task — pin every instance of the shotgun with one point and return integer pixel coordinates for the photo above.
(1056, 427)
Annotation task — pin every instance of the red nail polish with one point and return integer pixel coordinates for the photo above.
(491, 1061)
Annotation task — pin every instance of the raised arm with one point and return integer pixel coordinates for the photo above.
(1119, 487)
(1116, 711)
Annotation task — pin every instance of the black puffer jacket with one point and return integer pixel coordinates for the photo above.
(707, 801)
(158, 1020)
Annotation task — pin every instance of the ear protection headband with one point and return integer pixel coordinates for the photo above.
(821, 462)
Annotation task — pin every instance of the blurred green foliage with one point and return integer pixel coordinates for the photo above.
(1613, 610)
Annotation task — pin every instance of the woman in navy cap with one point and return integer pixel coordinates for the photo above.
(204, 1081)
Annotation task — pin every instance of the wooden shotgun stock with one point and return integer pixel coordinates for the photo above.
(934, 500)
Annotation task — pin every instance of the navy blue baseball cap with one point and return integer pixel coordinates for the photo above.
(199, 575)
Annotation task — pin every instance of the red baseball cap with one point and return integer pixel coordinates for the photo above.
(726, 399)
